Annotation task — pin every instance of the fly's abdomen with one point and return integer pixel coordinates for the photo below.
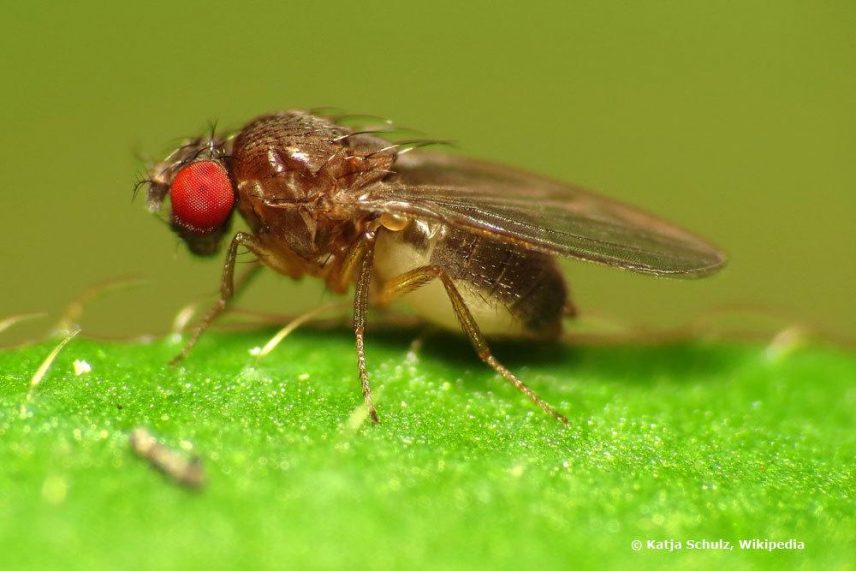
(527, 285)
(510, 291)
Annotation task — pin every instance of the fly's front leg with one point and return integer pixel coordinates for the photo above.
(228, 288)
(361, 301)
(418, 277)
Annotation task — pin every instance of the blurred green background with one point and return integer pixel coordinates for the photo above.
(735, 119)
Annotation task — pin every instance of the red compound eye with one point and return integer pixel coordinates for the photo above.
(202, 196)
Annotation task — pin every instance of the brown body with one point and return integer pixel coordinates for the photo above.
(468, 244)
(288, 159)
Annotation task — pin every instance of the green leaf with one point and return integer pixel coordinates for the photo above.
(685, 442)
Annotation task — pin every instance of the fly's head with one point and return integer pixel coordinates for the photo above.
(197, 178)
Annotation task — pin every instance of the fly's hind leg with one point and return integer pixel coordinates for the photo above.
(228, 288)
(418, 277)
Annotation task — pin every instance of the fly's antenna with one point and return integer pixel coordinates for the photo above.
(142, 180)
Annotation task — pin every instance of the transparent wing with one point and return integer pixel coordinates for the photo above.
(538, 213)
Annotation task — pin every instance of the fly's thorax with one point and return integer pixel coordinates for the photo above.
(273, 161)
(289, 168)
(297, 158)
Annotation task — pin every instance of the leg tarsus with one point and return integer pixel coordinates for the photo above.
(418, 277)
(491, 361)
(364, 377)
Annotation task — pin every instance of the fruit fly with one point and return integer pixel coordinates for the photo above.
(469, 244)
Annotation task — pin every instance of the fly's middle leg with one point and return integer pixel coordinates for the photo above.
(414, 279)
